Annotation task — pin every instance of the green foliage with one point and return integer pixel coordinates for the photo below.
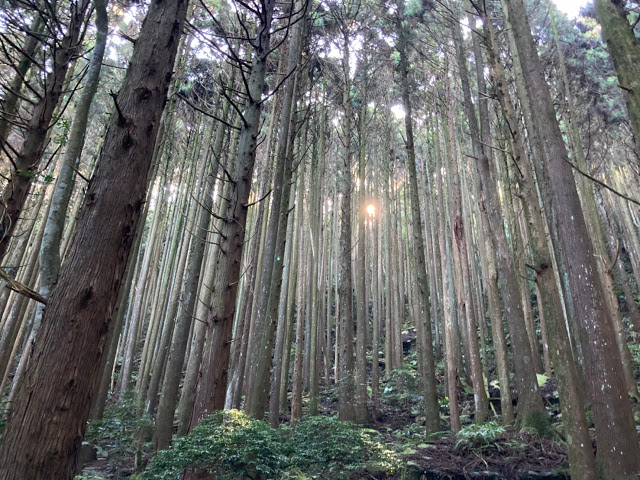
(3, 414)
(479, 437)
(116, 431)
(26, 173)
(232, 446)
(48, 179)
(319, 448)
(401, 389)
(395, 56)
(634, 348)
(90, 475)
(228, 443)
(538, 423)
(542, 379)
(589, 417)
(64, 128)
(413, 7)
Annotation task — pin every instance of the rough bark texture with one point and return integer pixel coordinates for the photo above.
(423, 321)
(44, 432)
(212, 384)
(618, 453)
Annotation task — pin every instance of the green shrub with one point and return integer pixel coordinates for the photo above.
(228, 443)
(538, 423)
(325, 447)
(117, 429)
(233, 446)
(479, 437)
(401, 389)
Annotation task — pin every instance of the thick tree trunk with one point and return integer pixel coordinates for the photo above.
(618, 453)
(44, 432)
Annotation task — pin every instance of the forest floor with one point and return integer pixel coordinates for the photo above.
(488, 453)
(116, 447)
(119, 446)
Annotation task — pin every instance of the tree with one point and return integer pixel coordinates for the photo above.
(625, 53)
(423, 307)
(212, 385)
(25, 160)
(45, 429)
(617, 455)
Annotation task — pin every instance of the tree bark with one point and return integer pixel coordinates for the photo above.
(618, 453)
(212, 384)
(44, 432)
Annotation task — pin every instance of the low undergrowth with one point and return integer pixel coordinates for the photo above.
(395, 446)
(232, 445)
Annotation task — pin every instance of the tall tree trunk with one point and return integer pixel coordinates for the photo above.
(448, 294)
(362, 318)
(529, 400)
(212, 384)
(296, 390)
(618, 453)
(282, 352)
(173, 374)
(192, 375)
(44, 432)
(344, 327)
(271, 278)
(50, 254)
(423, 322)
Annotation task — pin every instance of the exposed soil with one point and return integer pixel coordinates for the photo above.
(516, 456)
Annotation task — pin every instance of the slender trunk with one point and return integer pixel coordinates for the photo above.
(448, 294)
(296, 393)
(173, 374)
(345, 321)
(212, 384)
(362, 318)
(529, 400)
(26, 163)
